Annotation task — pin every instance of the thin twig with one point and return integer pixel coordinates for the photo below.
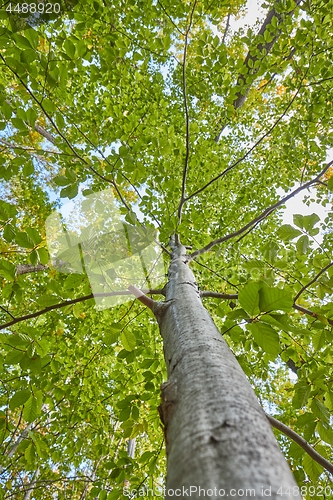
(260, 217)
(312, 281)
(74, 301)
(241, 81)
(266, 134)
(7, 312)
(187, 119)
(226, 29)
(40, 104)
(172, 22)
(139, 294)
(311, 313)
(218, 295)
(301, 442)
(234, 296)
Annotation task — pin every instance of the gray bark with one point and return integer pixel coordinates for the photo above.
(30, 268)
(22, 436)
(217, 436)
(32, 485)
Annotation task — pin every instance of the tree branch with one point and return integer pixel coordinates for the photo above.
(301, 442)
(312, 281)
(31, 486)
(311, 313)
(71, 147)
(44, 133)
(233, 165)
(139, 294)
(234, 296)
(74, 301)
(260, 217)
(218, 295)
(187, 118)
(170, 19)
(30, 268)
(241, 80)
(226, 29)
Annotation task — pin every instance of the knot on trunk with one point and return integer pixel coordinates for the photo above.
(167, 406)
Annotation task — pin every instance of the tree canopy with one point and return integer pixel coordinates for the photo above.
(195, 128)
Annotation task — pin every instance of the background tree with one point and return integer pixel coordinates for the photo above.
(199, 130)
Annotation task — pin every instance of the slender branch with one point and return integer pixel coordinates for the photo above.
(42, 131)
(218, 295)
(301, 442)
(32, 150)
(311, 313)
(234, 296)
(38, 128)
(312, 281)
(7, 312)
(226, 29)
(241, 80)
(260, 217)
(233, 165)
(74, 301)
(30, 268)
(30, 487)
(172, 22)
(187, 118)
(147, 301)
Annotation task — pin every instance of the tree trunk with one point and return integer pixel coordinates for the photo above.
(217, 435)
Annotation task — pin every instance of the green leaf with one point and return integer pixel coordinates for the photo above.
(30, 409)
(266, 337)
(312, 468)
(302, 394)
(320, 410)
(69, 48)
(128, 340)
(28, 168)
(319, 339)
(70, 191)
(7, 270)
(298, 220)
(21, 41)
(325, 432)
(33, 257)
(310, 220)
(274, 299)
(43, 255)
(13, 357)
(34, 235)
(39, 401)
(29, 453)
(31, 117)
(302, 244)
(23, 240)
(61, 181)
(73, 281)
(9, 232)
(249, 298)
(19, 398)
(288, 232)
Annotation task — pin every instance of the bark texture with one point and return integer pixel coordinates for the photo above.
(217, 436)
